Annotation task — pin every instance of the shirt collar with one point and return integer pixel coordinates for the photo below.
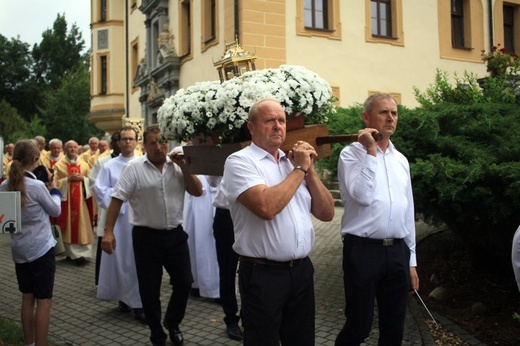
(30, 174)
(260, 153)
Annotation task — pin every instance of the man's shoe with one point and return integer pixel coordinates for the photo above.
(81, 261)
(123, 307)
(234, 332)
(139, 315)
(175, 335)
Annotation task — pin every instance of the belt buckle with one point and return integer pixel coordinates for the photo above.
(388, 242)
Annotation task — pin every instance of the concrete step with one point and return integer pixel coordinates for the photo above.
(335, 194)
(331, 184)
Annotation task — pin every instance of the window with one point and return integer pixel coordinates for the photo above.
(103, 10)
(103, 74)
(509, 28)
(457, 23)
(318, 18)
(185, 28)
(134, 62)
(461, 29)
(154, 44)
(384, 21)
(381, 17)
(316, 14)
(209, 24)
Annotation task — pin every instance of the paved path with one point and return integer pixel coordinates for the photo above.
(78, 318)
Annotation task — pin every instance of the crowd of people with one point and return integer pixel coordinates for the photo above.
(146, 212)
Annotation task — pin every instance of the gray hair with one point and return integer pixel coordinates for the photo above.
(253, 111)
(369, 102)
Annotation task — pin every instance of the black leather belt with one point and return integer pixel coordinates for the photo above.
(382, 242)
(265, 261)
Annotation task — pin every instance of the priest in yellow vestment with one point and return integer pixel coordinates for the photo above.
(75, 220)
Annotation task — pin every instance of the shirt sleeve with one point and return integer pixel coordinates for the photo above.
(357, 173)
(51, 203)
(102, 188)
(126, 183)
(240, 174)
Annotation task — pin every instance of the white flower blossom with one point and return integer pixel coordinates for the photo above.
(207, 107)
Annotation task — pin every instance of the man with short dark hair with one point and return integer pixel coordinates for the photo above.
(154, 186)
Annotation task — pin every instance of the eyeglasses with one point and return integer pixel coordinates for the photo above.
(127, 139)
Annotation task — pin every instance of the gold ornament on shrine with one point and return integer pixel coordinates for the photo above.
(234, 62)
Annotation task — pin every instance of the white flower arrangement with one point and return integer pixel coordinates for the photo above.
(211, 107)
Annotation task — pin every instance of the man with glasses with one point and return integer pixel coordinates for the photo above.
(117, 275)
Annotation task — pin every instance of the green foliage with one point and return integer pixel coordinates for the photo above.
(58, 53)
(65, 109)
(343, 121)
(11, 122)
(466, 173)
(16, 86)
(10, 333)
(465, 91)
(516, 316)
(47, 89)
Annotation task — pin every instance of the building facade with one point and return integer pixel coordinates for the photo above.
(143, 51)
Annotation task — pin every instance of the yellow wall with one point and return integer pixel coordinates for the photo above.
(355, 63)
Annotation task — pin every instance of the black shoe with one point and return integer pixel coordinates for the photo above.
(159, 343)
(80, 261)
(123, 307)
(234, 332)
(175, 335)
(139, 315)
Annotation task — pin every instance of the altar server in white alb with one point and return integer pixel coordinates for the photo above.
(117, 274)
(198, 223)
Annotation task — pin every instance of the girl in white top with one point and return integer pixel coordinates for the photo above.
(33, 246)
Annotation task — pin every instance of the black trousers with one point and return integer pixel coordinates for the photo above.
(277, 304)
(153, 250)
(374, 272)
(227, 263)
(98, 259)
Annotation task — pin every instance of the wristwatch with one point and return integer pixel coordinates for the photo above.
(301, 169)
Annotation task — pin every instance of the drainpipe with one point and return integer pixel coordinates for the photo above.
(490, 18)
(236, 18)
(127, 78)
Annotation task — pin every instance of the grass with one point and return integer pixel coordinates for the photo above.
(11, 333)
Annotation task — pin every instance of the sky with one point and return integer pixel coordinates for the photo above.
(30, 18)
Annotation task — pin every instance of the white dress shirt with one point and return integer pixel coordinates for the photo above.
(290, 235)
(377, 195)
(515, 256)
(156, 198)
(35, 239)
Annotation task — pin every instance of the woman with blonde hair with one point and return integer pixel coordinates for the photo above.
(33, 246)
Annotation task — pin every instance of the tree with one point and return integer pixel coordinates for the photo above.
(16, 87)
(58, 53)
(65, 109)
(11, 123)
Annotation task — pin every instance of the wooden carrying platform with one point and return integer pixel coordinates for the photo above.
(210, 159)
